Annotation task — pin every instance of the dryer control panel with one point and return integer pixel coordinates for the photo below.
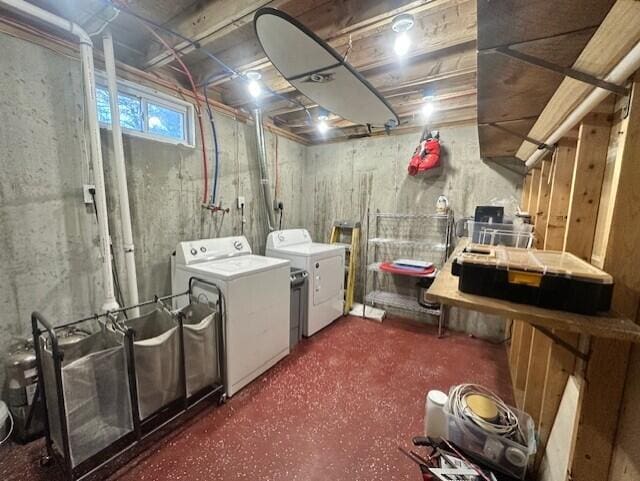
(204, 250)
(289, 237)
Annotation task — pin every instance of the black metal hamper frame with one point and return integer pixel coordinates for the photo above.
(142, 429)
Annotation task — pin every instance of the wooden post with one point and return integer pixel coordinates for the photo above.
(533, 196)
(542, 207)
(591, 158)
(516, 326)
(558, 361)
(536, 372)
(514, 352)
(539, 346)
(522, 366)
(564, 162)
(526, 331)
(526, 191)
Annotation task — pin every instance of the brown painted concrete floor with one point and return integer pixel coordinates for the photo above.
(337, 408)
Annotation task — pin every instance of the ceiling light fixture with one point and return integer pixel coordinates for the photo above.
(428, 107)
(255, 89)
(323, 125)
(401, 25)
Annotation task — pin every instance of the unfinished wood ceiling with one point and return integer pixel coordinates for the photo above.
(442, 57)
(511, 93)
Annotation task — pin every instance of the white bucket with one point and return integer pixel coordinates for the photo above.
(435, 420)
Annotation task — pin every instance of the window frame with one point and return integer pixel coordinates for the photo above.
(151, 95)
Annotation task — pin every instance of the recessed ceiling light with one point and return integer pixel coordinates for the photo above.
(401, 25)
(323, 124)
(255, 90)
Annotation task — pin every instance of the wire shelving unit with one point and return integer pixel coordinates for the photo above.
(390, 236)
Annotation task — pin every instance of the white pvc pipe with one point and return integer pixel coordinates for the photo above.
(121, 172)
(620, 73)
(88, 75)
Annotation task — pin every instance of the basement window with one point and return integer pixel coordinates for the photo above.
(147, 113)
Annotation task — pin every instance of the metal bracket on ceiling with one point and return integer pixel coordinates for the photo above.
(541, 145)
(315, 75)
(562, 343)
(567, 71)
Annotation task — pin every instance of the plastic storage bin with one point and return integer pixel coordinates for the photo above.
(499, 452)
(549, 279)
(200, 348)
(510, 235)
(95, 386)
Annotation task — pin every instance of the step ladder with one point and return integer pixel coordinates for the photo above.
(347, 234)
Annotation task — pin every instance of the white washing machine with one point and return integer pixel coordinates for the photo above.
(325, 265)
(256, 294)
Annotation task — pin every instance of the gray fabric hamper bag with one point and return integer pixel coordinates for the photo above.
(156, 351)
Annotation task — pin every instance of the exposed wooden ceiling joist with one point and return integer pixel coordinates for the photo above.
(335, 21)
(205, 24)
(511, 91)
(441, 60)
(436, 29)
(464, 116)
(453, 70)
(407, 108)
(619, 32)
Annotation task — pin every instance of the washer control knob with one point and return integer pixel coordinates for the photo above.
(203, 249)
(237, 245)
(193, 251)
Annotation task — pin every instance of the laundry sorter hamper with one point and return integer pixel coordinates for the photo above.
(157, 359)
(124, 378)
(175, 355)
(86, 389)
(200, 330)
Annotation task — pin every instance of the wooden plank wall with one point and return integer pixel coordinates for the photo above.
(606, 373)
(623, 239)
(563, 196)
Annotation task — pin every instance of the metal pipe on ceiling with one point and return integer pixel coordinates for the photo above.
(264, 171)
(88, 77)
(620, 73)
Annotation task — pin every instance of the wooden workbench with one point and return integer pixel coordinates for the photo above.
(610, 326)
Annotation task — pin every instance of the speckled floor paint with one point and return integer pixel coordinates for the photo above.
(336, 409)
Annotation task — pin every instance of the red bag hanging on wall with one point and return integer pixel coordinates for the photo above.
(427, 154)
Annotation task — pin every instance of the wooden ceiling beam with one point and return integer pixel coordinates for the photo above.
(440, 120)
(454, 82)
(454, 69)
(439, 24)
(400, 101)
(616, 36)
(205, 24)
(437, 31)
(334, 21)
(407, 108)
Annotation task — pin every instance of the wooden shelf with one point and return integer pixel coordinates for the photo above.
(445, 290)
